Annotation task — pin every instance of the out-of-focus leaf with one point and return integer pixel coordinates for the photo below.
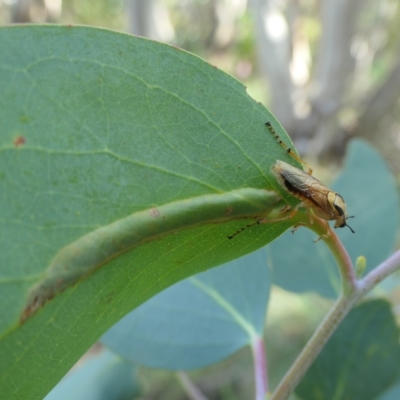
(103, 377)
(198, 321)
(360, 361)
(391, 394)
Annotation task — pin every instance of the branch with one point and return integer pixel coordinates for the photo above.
(149, 18)
(313, 348)
(274, 49)
(378, 274)
(260, 368)
(352, 291)
(190, 388)
(379, 104)
(335, 63)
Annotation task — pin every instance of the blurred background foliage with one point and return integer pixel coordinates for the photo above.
(329, 70)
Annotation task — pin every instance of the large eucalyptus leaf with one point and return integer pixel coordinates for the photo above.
(125, 164)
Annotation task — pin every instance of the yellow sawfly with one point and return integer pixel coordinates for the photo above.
(314, 196)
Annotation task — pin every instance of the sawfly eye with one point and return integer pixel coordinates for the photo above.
(339, 210)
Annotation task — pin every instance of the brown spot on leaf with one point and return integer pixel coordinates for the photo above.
(154, 212)
(19, 141)
(34, 305)
(228, 210)
(40, 296)
(24, 119)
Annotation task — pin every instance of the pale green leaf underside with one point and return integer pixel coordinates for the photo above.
(97, 129)
(103, 376)
(198, 321)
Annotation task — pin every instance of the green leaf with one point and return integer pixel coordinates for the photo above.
(124, 166)
(360, 361)
(198, 321)
(371, 195)
(103, 377)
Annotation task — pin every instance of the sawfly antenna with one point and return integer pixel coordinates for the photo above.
(287, 149)
(352, 216)
(350, 228)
